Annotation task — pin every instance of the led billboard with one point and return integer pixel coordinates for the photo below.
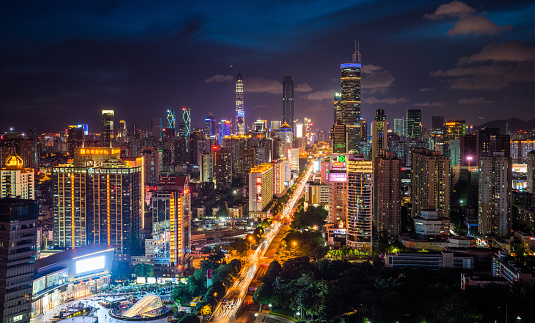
(90, 264)
(337, 177)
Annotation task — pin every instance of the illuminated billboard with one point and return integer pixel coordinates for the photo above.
(90, 264)
(337, 177)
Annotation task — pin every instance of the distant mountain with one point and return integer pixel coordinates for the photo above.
(515, 124)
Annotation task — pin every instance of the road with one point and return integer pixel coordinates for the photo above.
(227, 309)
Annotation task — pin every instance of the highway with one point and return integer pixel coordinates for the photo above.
(228, 308)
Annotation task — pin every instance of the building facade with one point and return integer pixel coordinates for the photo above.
(359, 203)
(288, 100)
(15, 180)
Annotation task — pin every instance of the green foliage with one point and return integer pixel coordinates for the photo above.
(307, 243)
(313, 216)
(144, 270)
(189, 318)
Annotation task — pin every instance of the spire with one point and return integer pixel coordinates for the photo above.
(356, 54)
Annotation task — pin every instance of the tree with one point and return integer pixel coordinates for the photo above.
(144, 270)
(189, 318)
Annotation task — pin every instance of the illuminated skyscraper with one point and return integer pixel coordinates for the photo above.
(240, 113)
(223, 169)
(288, 100)
(399, 127)
(495, 195)
(224, 129)
(337, 107)
(379, 133)
(15, 180)
(359, 203)
(107, 127)
(75, 138)
(210, 126)
(339, 137)
(260, 187)
(156, 127)
(413, 122)
(171, 119)
(185, 126)
(387, 193)
(122, 132)
(350, 100)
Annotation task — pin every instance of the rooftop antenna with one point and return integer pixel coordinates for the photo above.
(356, 54)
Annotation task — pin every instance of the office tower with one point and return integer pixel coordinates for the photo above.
(15, 180)
(14, 143)
(75, 138)
(520, 150)
(387, 193)
(224, 129)
(379, 133)
(293, 157)
(180, 151)
(359, 203)
(278, 177)
(171, 123)
(430, 182)
(299, 130)
(350, 100)
(275, 125)
(339, 138)
(336, 177)
(495, 195)
(184, 129)
(468, 150)
(490, 141)
(287, 136)
(171, 221)
(531, 171)
(156, 127)
(437, 132)
(454, 130)
(399, 127)
(288, 100)
(223, 169)
(99, 199)
(454, 151)
(413, 121)
(207, 167)
(259, 126)
(240, 112)
(18, 238)
(122, 132)
(210, 126)
(107, 127)
(260, 187)
(152, 164)
(337, 107)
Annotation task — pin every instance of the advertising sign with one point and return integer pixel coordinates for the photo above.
(90, 264)
(337, 177)
(338, 162)
(141, 280)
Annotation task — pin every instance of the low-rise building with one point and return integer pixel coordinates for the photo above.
(427, 260)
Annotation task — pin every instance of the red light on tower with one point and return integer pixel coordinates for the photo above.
(214, 148)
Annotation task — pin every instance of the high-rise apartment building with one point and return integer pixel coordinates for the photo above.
(152, 164)
(275, 125)
(339, 137)
(99, 199)
(437, 132)
(18, 241)
(288, 100)
(413, 122)
(240, 111)
(15, 180)
(359, 203)
(107, 127)
(531, 171)
(260, 187)
(223, 169)
(14, 143)
(495, 195)
(430, 182)
(490, 141)
(387, 193)
(350, 100)
(336, 178)
(379, 133)
(207, 167)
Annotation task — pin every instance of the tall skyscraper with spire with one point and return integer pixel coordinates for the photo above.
(240, 113)
(350, 99)
(288, 100)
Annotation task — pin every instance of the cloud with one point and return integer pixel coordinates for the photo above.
(452, 9)
(219, 78)
(513, 51)
(426, 89)
(431, 104)
(259, 106)
(320, 95)
(303, 88)
(477, 25)
(480, 100)
(377, 79)
(391, 100)
(262, 85)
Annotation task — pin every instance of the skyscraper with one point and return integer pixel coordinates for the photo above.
(171, 120)
(413, 122)
(495, 195)
(399, 127)
(186, 121)
(437, 132)
(223, 169)
(337, 180)
(531, 172)
(15, 180)
(430, 182)
(359, 203)
(240, 112)
(75, 138)
(18, 238)
(350, 100)
(339, 137)
(379, 133)
(210, 126)
(156, 127)
(337, 107)
(387, 193)
(107, 127)
(288, 100)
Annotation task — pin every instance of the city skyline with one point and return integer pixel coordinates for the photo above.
(463, 60)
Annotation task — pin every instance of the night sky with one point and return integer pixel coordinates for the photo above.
(61, 62)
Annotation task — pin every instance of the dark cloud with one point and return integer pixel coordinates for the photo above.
(477, 25)
(219, 78)
(452, 9)
(513, 51)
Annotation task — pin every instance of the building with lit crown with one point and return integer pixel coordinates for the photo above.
(15, 180)
(350, 100)
(240, 111)
(107, 127)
